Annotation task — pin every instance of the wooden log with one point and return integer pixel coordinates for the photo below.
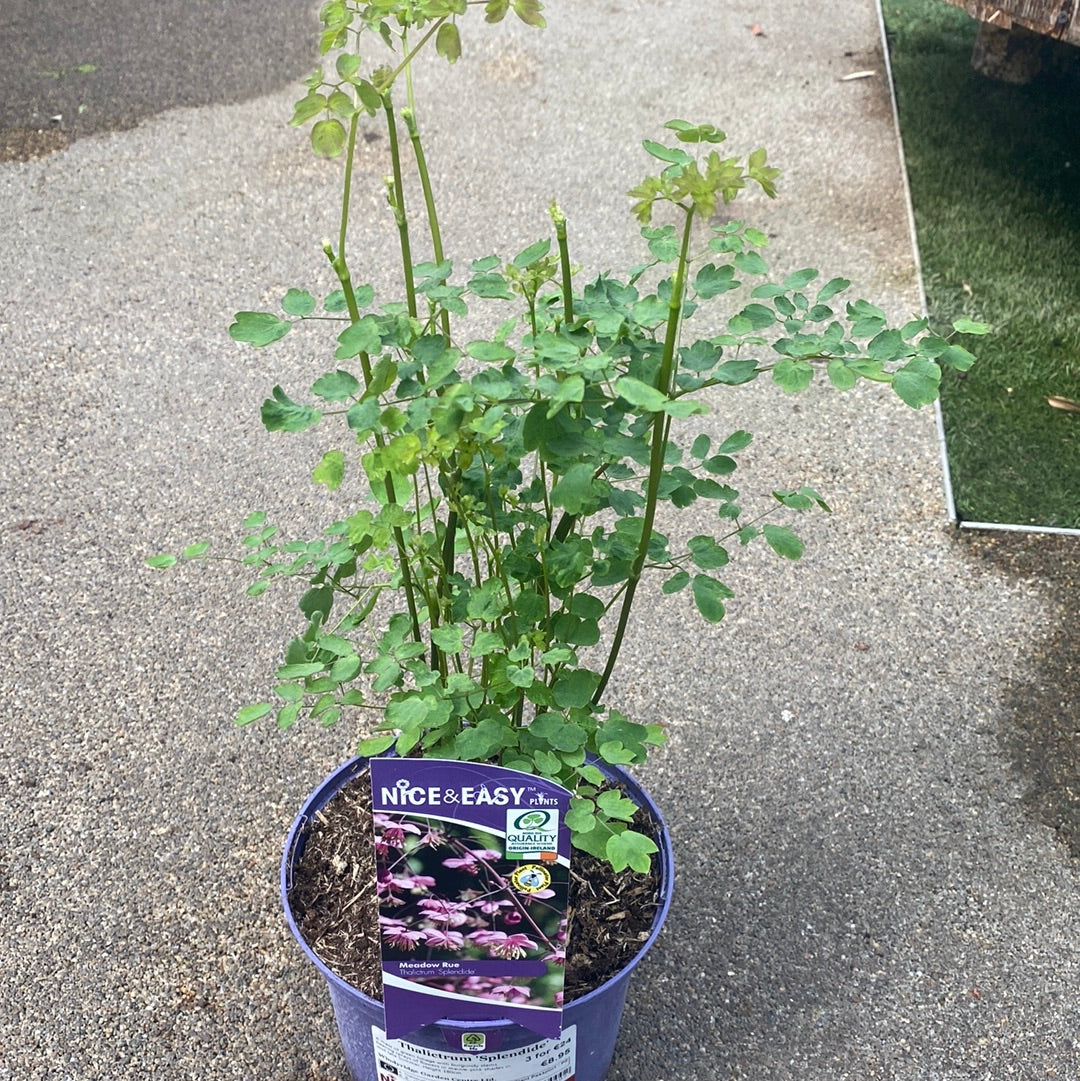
(1056, 19)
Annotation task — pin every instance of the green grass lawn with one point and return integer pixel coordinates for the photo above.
(995, 180)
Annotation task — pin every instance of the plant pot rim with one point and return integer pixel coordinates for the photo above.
(336, 780)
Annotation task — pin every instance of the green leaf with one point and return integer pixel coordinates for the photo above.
(709, 596)
(706, 553)
(532, 254)
(574, 491)
(481, 741)
(734, 373)
(347, 65)
(571, 389)
(485, 643)
(310, 105)
(831, 288)
(799, 280)
(700, 446)
(258, 328)
(297, 302)
(528, 11)
(281, 414)
(337, 386)
(251, 713)
(663, 243)
(783, 541)
(630, 849)
(331, 470)
(957, 358)
(491, 286)
(713, 280)
(749, 262)
(792, 376)
(917, 382)
(371, 98)
(888, 345)
(363, 417)
(491, 352)
(678, 581)
(320, 600)
(968, 326)
(615, 752)
(375, 745)
(357, 338)
(841, 376)
(448, 42)
(299, 671)
(735, 442)
(449, 638)
(345, 668)
(615, 805)
(520, 676)
(581, 816)
(575, 688)
(197, 550)
(639, 394)
(162, 561)
(671, 154)
(752, 318)
(720, 465)
(328, 138)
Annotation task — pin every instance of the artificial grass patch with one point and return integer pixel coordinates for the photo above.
(995, 182)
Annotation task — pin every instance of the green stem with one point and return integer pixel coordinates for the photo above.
(397, 203)
(559, 220)
(660, 423)
(429, 202)
(347, 185)
(341, 269)
(408, 58)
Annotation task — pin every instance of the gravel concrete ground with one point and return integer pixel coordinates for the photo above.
(871, 884)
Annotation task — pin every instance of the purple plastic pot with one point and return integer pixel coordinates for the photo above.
(442, 1050)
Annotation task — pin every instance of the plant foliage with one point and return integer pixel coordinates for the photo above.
(514, 480)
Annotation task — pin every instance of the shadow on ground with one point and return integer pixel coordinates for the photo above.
(74, 69)
(1040, 729)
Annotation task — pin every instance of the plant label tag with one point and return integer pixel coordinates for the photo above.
(548, 1060)
(473, 870)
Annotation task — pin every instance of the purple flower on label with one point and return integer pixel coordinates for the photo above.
(490, 906)
(510, 993)
(444, 940)
(467, 864)
(556, 957)
(500, 944)
(437, 910)
(394, 832)
(402, 938)
(539, 895)
(413, 882)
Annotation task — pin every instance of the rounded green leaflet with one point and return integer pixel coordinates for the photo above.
(328, 138)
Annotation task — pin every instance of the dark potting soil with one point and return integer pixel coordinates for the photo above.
(335, 905)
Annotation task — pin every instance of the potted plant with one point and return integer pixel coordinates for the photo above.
(506, 444)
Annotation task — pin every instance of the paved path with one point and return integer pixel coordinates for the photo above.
(865, 887)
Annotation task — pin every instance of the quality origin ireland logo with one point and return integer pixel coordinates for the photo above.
(532, 834)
